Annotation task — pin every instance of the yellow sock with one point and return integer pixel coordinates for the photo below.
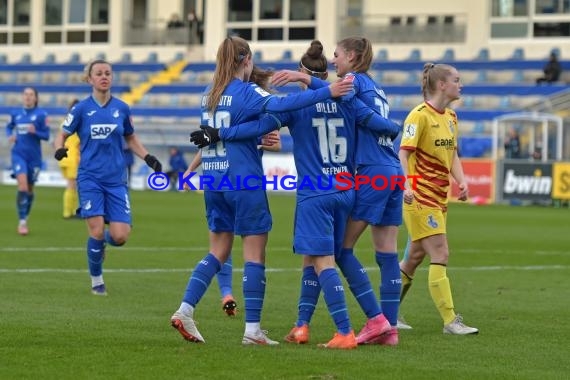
(69, 203)
(441, 292)
(406, 284)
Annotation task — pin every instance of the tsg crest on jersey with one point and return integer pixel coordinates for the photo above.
(102, 131)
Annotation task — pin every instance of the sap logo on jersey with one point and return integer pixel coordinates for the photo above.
(102, 131)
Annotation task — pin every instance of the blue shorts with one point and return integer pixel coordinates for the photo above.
(111, 202)
(380, 207)
(21, 166)
(320, 223)
(243, 212)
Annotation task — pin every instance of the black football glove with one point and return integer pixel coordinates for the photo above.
(60, 154)
(205, 136)
(153, 163)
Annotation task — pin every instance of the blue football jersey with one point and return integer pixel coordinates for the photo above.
(323, 145)
(374, 148)
(27, 144)
(101, 130)
(228, 163)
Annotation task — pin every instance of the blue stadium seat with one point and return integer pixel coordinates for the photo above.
(287, 55)
(518, 54)
(50, 58)
(74, 58)
(415, 55)
(378, 77)
(518, 76)
(257, 56)
(482, 76)
(179, 56)
(555, 51)
(505, 102)
(448, 55)
(412, 78)
(478, 128)
(26, 58)
(174, 100)
(396, 101)
(126, 57)
(152, 57)
(102, 56)
(382, 55)
(3, 59)
(483, 55)
(468, 101)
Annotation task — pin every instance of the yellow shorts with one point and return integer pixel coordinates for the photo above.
(422, 221)
(69, 172)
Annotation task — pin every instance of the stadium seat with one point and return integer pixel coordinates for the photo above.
(518, 54)
(3, 59)
(412, 78)
(287, 55)
(479, 127)
(378, 77)
(555, 51)
(468, 101)
(415, 55)
(382, 55)
(448, 55)
(126, 57)
(396, 101)
(50, 58)
(152, 57)
(518, 76)
(74, 58)
(483, 55)
(505, 102)
(101, 55)
(257, 56)
(26, 58)
(482, 76)
(179, 56)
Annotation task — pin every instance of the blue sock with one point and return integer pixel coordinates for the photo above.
(224, 277)
(30, 201)
(358, 282)
(200, 279)
(22, 204)
(109, 239)
(310, 290)
(334, 297)
(95, 255)
(390, 285)
(253, 290)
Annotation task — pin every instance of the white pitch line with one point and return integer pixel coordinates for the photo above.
(279, 270)
(269, 250)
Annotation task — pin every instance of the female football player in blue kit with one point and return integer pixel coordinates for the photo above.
(25, 130)
(382, 210)
(102, 121)
(324, 142)
(232, 100)
(271, 142)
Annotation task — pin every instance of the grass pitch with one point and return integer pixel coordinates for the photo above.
(509, 269)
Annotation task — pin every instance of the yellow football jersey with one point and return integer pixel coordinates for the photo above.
(432, 136)
(72, 145)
